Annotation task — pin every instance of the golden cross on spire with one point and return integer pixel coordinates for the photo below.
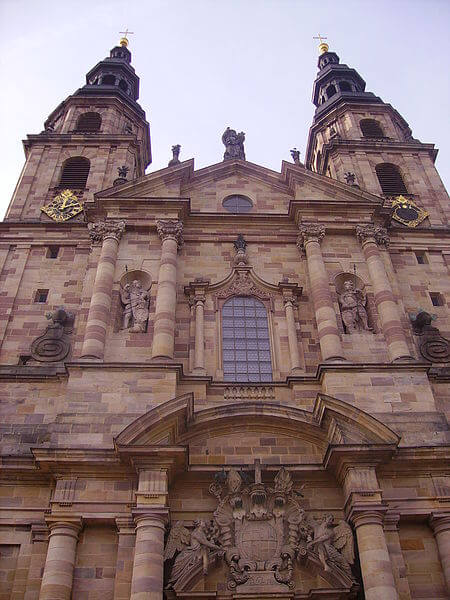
(323, 46)
(124, 39)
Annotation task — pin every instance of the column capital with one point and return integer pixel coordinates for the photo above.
(68, 526)
(151, 518)
(309, 232)
(125, 525)
(196, 290)
(291, 292)
(439, 522)
(170, 229)
(372, 233)
(101, 230)
(367, 515)
(391, 521)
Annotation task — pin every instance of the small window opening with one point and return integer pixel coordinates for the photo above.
(52, 251)
(237, 204)
(437, 299)
(41, 296)
(421, 257)
(23, 359)
(371, 128)
(331, 91)
(390, 179)
(90, 121)
(109, 80)
(123, 85)
(75, 173)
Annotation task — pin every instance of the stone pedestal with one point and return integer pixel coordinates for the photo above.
(170, 232)
(148, 567)
(371, 237)
(59, 564)
(376, 568)
(330, 341)
(440, 524)
(108, 234)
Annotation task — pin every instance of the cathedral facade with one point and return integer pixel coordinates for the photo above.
(229, 382)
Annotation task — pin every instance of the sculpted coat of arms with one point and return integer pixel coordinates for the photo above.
(260, 531)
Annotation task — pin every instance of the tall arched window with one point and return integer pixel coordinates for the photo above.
(371, 128)
(390, 179)
(245, 341)
(88, 122)
(75, 173)
(331, 91)
(108, 80)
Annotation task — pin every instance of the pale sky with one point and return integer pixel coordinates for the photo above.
(208, 64)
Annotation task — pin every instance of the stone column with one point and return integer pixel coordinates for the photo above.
(291, 292)
(330, 342)
(376, 568)
(108, 233)
(196, 291)
(148, 567)
(391, 521)
(60, 561)
(440, 524)
(124, 563)
(170, 232)
(371, 237)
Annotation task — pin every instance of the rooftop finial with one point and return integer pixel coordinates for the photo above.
(124, 40)
(323, 46)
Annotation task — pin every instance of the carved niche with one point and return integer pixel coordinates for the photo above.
(261, 531)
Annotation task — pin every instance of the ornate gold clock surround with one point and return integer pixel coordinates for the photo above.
(63, 207)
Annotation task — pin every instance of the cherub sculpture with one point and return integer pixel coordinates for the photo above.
(332, 542)
(192, 547)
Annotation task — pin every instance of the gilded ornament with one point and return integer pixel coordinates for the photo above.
(407, 212)
(63, 207)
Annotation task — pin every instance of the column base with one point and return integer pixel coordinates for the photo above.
(199, 371)
(404, 359)
(335, 359)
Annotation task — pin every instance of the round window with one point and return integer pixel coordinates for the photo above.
(237, 204)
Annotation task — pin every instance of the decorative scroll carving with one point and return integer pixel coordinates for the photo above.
(54, 344)
(370, 231)
(170, 229)
(135, 300)
(234, 144)
(233, 393)
(432, 346)
(352, 302)
(101, 230)
(242, 285)
(260, 531)
(309, 232)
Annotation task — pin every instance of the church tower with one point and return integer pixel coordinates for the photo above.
(359, 139)
(94, 132)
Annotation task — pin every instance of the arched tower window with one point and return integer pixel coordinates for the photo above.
(89, 122)
(344, 86)
(75, 173)
(123, 85)
(331, 91)
(245, 341)
(371, 128)
(109, 80)
(390, 179)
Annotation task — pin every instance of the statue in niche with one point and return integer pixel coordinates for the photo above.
(234, 144)
(353, 302)
(332, 542)
(192, 547)
(135, 302)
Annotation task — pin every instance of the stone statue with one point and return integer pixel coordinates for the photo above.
(192, 548)
(295, 155)
(352, 302)
(332, 542)
(176, 153)
(349, 178)
(54, 345)
(234, 144)
(123, 171)
(240, 245)
(135, 301)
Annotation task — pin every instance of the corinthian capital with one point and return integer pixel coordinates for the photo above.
(169, 229)
(309, 232)
(101, 230)
(373, 232)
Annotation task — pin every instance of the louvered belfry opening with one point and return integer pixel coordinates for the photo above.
(89, 122)
(371, 128)
(390, 179)
(75, 173)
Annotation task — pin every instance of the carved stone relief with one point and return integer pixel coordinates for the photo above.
(261, 531)
(432, 346)
(54, 344)
(135, 298)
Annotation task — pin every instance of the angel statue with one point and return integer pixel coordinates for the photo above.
(192, 547)
(333, 543)
(135, 306)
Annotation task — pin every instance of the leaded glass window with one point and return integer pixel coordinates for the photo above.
(237, 204)
(245, 341)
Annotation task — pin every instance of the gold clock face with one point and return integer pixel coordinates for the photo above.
(406, 211)
(64, 206)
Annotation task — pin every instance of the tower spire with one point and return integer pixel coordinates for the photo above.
(323, 46)
(124, 39)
